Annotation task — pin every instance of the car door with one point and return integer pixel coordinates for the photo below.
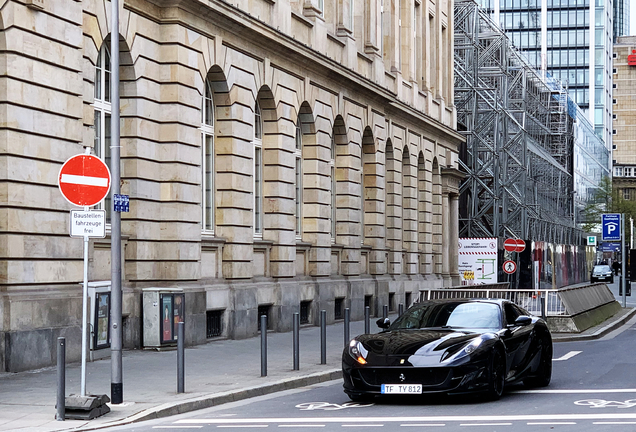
(517, 340)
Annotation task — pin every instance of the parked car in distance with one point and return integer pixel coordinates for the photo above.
(602, 272)
(450, 346)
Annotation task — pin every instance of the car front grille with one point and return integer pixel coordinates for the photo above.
(424, 376)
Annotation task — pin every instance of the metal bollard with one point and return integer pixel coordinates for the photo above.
(400, 309)
(543, 307)
(61, 379)
(367, 320)
(323, 337)
(385, 311)
(296, 340)
(181, 357)
(347, 327)
(263, 345)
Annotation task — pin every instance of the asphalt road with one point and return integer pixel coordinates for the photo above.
(593, 389)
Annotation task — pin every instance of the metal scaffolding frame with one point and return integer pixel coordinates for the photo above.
(519, 138)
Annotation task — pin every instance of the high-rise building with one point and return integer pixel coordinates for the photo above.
(621, 18)
(624, 117)
(572, 41)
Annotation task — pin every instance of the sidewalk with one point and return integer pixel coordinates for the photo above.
(217, 372)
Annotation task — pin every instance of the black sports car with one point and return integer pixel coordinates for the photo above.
(450, 346)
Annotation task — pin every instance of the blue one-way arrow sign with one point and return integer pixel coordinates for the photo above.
(611, 226)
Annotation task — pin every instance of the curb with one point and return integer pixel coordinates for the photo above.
(207, 401)
(600, 332)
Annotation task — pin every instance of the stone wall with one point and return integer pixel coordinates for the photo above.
(378, 142)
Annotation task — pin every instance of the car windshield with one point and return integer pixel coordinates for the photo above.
(602, 269)
(450, 315)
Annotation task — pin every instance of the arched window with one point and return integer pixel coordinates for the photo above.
(298, 152)
(258, 171)
(207, 165)
(102, 108)
(332, 164)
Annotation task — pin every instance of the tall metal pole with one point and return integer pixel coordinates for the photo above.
(84, 317)
(623, 280)
(116, 382)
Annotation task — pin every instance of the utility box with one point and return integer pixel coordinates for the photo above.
(99, 295)
(163, 309)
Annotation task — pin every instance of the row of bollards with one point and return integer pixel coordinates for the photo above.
(323, 334)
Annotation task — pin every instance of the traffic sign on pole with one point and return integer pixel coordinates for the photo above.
(84, 180)
(611, 224)
(514, 245)
(510, 267)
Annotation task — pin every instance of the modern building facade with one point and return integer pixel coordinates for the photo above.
(624, 117)
(280, 156)
(570, 40)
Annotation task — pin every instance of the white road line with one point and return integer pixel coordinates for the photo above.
(576, 391)
(84, 180)
(362, 425)
(300, 425)
(486, 424)
(244, 426)
(613, 423)
(549, 423)
(423, 424)
(568, 356)
(177, 427)
(599, 416)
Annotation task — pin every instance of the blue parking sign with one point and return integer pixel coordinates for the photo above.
(611, 226)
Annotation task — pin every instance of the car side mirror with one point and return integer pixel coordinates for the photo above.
(383, 323)
(523, 320)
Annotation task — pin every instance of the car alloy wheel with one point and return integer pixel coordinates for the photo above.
(497, 375)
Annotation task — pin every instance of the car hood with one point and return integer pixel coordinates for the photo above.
(416, 342)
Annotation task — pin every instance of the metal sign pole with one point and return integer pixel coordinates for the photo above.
(116, 385)
(84, 316)
(623, 281)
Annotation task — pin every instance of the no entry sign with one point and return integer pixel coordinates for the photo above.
(514, 245)
(84, 180)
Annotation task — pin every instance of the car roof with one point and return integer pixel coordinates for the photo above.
(465, 300)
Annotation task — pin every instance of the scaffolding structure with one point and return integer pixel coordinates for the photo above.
(518, 154)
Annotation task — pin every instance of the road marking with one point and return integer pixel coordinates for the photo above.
(599, 416)
(244, 426)
(423, 424)
(177, 427)
(362, 425)
(300, 425)
(568, 356)
(549, 423)
(576, 391)
(613, 423)
(485, 424)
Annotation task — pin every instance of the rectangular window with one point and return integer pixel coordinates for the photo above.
(407, 299)
(391, 302)
(305, 307)
(299, 197)
(628, 171)
(258, 192)
(213, 323)
(338, 310)
(208, 182)
(618, 171)
(264, 310)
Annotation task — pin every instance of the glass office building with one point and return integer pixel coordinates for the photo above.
(572, 41)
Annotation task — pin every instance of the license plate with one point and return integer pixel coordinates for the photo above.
(401, 389)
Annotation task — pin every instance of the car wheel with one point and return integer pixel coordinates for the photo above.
(544, 372)
(496, 375)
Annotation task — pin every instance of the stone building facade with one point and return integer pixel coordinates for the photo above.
(624, 117)
(279, 156)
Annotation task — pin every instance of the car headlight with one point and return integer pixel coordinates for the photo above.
(466, 350)
(358, 352)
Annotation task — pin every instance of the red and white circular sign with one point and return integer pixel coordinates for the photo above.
(514, 245)
(84, 180)
(510, 267)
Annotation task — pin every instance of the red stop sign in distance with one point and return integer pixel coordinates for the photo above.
(84, 180)
(514, 245)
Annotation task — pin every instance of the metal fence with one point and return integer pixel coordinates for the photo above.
(530, 300)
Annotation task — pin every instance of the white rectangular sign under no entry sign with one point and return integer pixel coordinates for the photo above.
(90, 223)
